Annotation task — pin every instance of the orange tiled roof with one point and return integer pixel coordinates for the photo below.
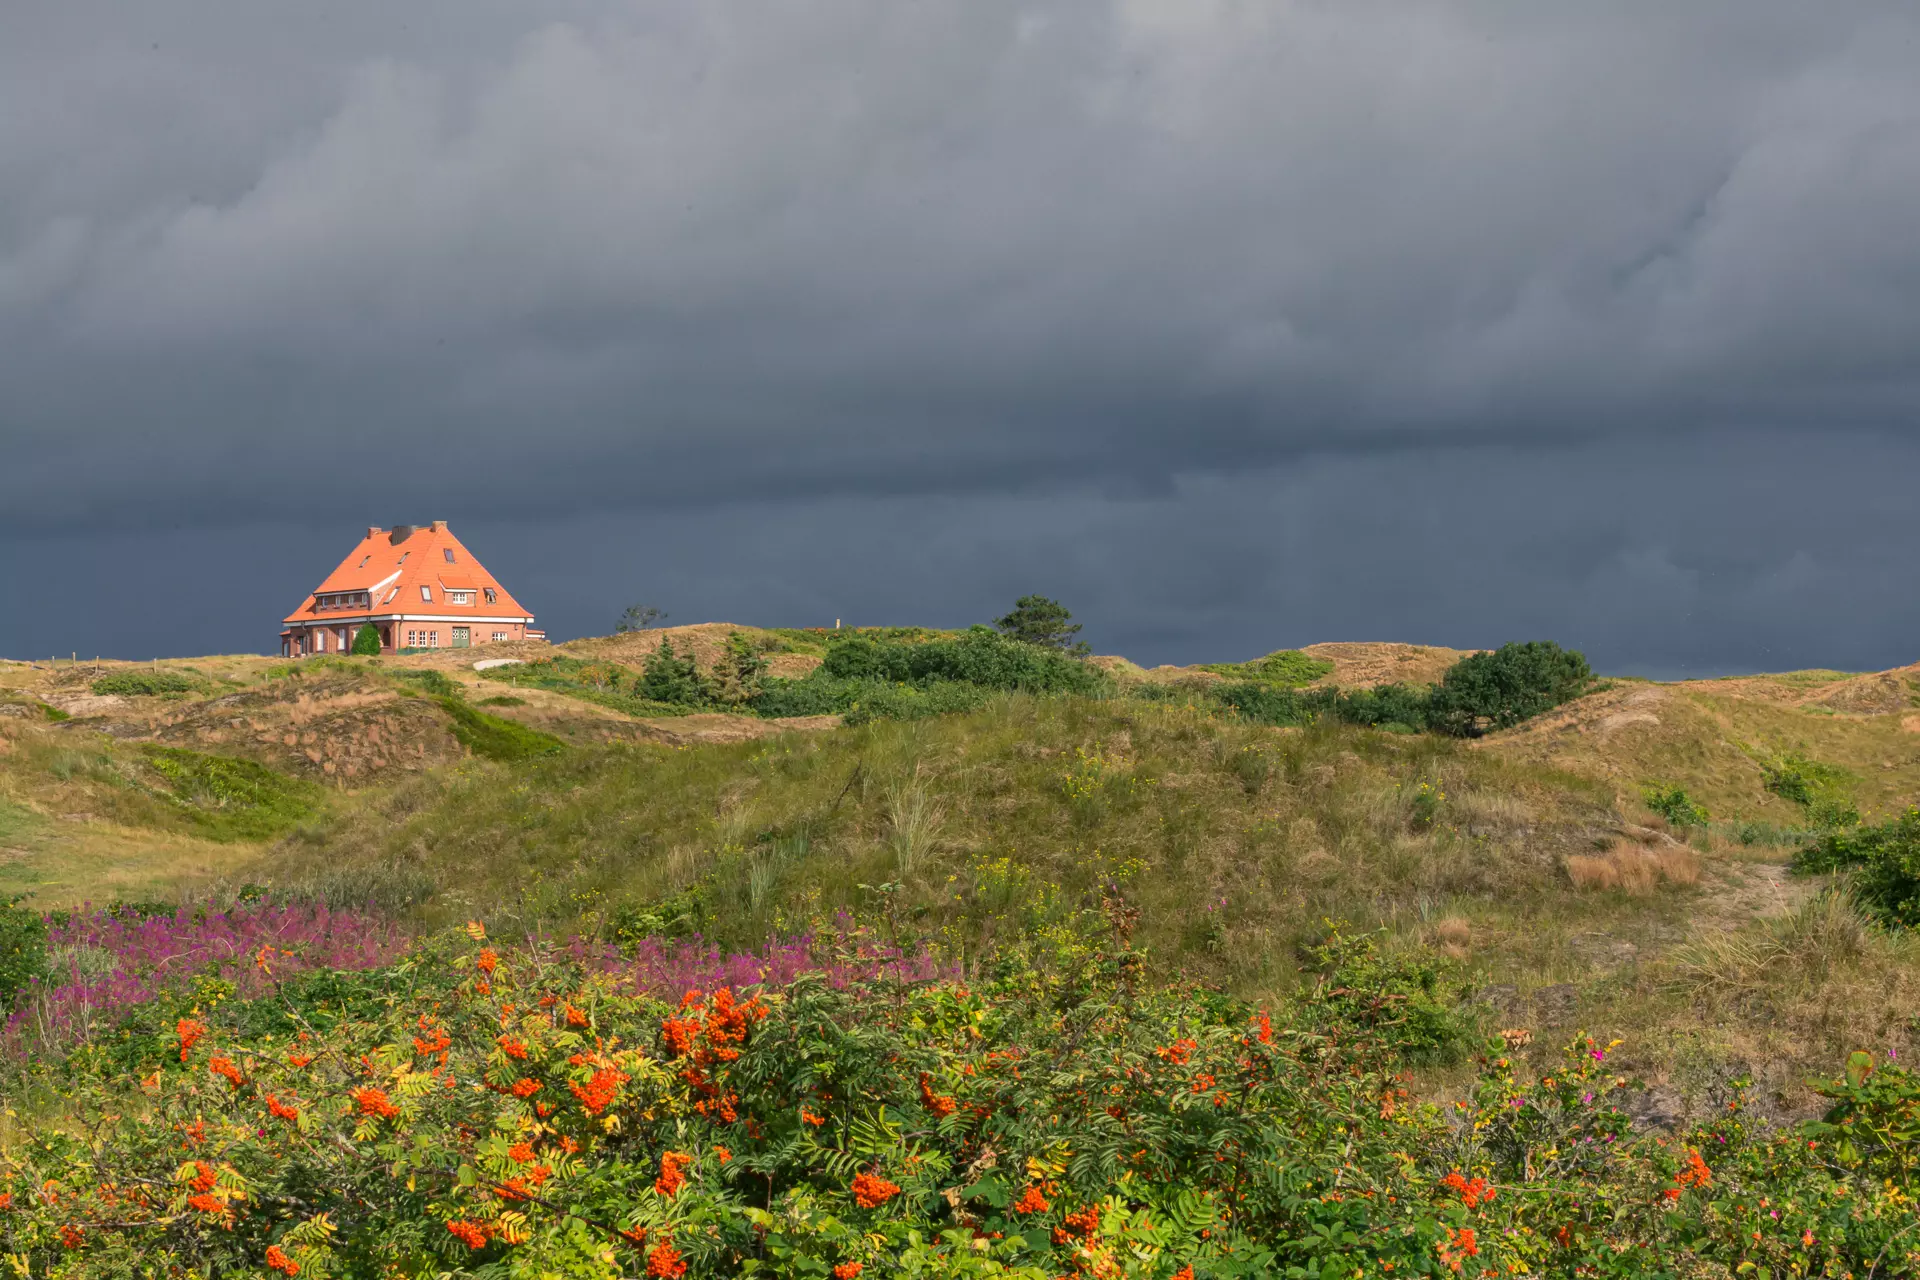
(400, 569)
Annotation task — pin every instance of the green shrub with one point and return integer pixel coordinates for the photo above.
(1406, 1003)
(1825, 791)
(977, 656)
(1384, 705)
(1288, 668)
(494, 738)
(1795, 777)
(1397, 705)
(53, 713)
(816, 695)
(739, 675)
(366, 641)
(1500, 689)
(230, 798)
(23, 950)
(1675, 805)
(1882, 863)
(877, 701)
(147, 684)
(866, 678)
(672, 677)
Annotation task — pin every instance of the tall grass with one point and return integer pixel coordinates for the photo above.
(1810, 942)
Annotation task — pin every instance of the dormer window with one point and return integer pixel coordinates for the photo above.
(493, 597)
(459, 597)
(426, 593)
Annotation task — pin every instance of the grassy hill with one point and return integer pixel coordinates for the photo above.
(1526, 859)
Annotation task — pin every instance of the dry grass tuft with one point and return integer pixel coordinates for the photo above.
(1825, 933)
(1453, 936)
(1634, 868)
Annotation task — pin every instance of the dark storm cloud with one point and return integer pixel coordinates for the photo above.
(1140, 265)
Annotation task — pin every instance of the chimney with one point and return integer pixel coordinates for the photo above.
(399, 534)
(372, 532)
(439, 526)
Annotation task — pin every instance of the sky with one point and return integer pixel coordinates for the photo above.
(1233, 325)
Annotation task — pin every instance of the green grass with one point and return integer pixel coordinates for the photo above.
(1288, 668)
(1014, 812)
(228, 798)
(494, 738)
(606, 684)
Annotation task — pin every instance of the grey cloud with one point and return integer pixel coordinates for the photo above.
(270, 267)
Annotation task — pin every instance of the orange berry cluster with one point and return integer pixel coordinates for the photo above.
(373, 1102)
(672, 1172)
(190, 1033)
(1473, 1193)
(871, 1191)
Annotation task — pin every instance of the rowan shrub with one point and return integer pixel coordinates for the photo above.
(479, 1108)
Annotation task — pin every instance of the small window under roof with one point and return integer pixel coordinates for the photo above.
(364, 559)
(448, 552)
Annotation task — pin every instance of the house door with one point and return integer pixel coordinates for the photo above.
(460, 637)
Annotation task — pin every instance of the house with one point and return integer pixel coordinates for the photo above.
(419, 586)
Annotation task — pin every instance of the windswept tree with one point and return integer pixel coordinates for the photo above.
(639, 617)
(1036, 620)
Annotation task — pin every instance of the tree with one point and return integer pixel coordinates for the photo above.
(1039, 621)
(1498, 690)
(367, 640)
(639, 617)
(737, 677)
(671, 677)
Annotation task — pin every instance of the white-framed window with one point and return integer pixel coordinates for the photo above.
(493, 597)
(459, 597)
(499, 635)
(426, 593)
(433, 638)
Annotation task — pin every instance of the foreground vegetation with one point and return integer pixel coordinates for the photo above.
(529, 1111)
